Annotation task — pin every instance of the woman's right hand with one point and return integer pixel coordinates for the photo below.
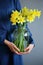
(12, 46)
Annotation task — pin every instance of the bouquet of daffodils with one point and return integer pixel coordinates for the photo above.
(20, 18)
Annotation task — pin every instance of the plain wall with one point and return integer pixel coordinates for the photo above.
(36, 28)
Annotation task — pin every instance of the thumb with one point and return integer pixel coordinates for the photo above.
(26, 49)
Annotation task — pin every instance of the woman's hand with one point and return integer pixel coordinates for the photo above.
(12, 46)
(28, 49)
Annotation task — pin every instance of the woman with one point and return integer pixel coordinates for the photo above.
(9, 53)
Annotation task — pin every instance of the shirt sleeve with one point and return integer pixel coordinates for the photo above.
(2, 33)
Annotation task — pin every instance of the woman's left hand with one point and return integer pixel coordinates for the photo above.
(28, 49)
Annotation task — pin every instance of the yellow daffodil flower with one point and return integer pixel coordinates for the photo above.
(25, 11)
(24, 15)
(21, 19)
(30, 19)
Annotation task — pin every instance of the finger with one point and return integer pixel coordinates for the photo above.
(22, 53)
(29, 47)
(14, 51)
(26, 49)
(30, 50)
(15, 47)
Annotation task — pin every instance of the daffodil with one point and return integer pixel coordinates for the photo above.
(21, 20)
(13, 20)
(38, 13)
(25, 11)
(30, 19)
(14, 17)
(16, 13)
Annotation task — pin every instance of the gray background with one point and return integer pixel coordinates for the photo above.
(36, 28)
